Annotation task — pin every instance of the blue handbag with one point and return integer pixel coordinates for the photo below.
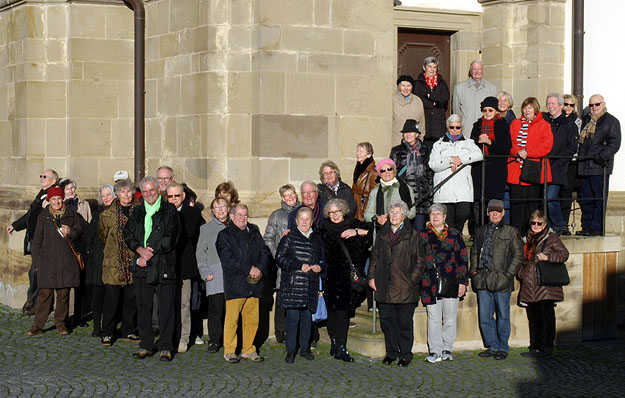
(322, 312)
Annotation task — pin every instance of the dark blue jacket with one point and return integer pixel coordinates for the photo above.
(565, 141)
(605, 143)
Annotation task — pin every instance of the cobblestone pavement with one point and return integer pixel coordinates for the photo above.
(52, 365)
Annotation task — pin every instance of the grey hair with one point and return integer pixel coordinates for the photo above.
(165, 168)
(453, 118)
(332, 165)
(174, 185)
(399, 204)
(285, 188)
(55, 175)
(304, 209)
(308, 182)
(106, 186)
(366, 146)
(555, 95)
(147, 179)
(429, 60)
(476, 61)
(340, 203)
(234, 208)
(121, 184)
(506, 94)
(438, 207)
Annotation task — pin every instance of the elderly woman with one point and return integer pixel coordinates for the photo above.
(448, 155)
(566, 192)
(570, 105)
(411, 158)
(434, 92)
(504, 106)
(93, 272)
(365, 178)
(532, 140)
(228, 191)
(492, 134)
(391, 189)
(211, 272)
(331, 186)
(58, 269)
(447, 259)
(276, 226)
(346, 241)
(300, 256)
(406, 106)
(73, 201)
(541, 244)
(116, 275)
(397, 263)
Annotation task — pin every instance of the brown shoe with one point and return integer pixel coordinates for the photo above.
(62, 330)
(35, 330)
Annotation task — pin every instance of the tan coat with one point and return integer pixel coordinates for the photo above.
(403, 109)
(362, 188)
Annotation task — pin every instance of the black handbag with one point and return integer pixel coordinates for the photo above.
(446, 287)
(552, 274)
(357, 278)
(530, 171)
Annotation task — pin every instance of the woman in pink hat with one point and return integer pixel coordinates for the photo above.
(390, 189)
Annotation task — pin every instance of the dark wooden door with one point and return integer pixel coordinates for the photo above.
(415, 45)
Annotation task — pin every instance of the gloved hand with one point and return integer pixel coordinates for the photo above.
(600, 161)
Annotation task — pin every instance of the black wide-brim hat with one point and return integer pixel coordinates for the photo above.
(410, 125)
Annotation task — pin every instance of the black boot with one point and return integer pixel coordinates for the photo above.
(342, 354)
(333, 347)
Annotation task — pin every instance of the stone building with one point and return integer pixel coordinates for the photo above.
(258, 92)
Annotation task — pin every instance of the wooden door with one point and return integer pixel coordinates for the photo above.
(415, 45)
(599, 296)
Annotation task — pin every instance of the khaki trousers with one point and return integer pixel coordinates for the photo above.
(248, 309)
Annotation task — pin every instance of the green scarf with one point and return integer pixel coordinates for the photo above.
(147, 222)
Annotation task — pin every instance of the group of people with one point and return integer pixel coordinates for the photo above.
(147, 258)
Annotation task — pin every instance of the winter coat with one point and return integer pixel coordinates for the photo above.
(435, 103)
(165, 229)
(605, 143)
(238, 251)
(397, 268)
(208, 262)
(56, 264)
(420, 185)
(361, 189)
(336, 284)
(530, 291)
(496, 169)
(83, 209)
(299, 289)
(344, 192)
(29, 220)
(506, 261)
(190, 222)
(403, 109)
(460, 187)
(539, 144)
(449, 258)
(107, 232)
(371, 209)
(565, 141)
(276, 225)
(93, 266)
(467, 100)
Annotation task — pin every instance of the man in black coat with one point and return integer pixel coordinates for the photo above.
(565, 139)
(28, 222)
(244, 258)
(151, 232)
(599, 141)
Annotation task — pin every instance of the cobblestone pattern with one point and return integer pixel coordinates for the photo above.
(52, 365)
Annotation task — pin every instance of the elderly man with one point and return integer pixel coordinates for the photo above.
(151, 232)
(496, 256)
(165, 176)
(565, 139)
(406, 106)
(244, 258)
(28, 221)
(469, 94)
(310, 198)
(599, 139)
(190, 222)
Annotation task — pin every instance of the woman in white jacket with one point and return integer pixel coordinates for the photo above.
(448, 155)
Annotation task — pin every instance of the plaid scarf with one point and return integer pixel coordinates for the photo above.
(334, 187)
(488, 128)
(414, 160)
(589, 128)
(124, 254)
(431, 81)
(440, 235)
(521, 139)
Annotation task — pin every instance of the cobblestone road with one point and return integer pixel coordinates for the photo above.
(52, 365)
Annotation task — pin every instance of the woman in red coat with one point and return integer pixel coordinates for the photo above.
(531, 141)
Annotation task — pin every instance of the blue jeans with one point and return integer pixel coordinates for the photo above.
(554, 209)
(592, 210)
(495, 333)
(298, 318)
(506, 206)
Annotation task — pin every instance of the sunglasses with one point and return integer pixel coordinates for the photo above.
(537, 223)
(43, 176)
(567, 104)
(595, 105)
(176, 195)
(455, 127)
(385, 170)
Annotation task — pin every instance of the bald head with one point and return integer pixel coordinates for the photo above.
(596, 104)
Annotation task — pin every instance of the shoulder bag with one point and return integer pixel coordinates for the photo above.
(552, 274)
(357, 278)
(447, 287)
(530, 171)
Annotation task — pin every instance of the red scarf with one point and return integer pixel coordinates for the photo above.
(488, 128)
(431, 81)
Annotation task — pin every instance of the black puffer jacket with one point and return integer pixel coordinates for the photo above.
(420, 184)
(297, 288)
(190, 222)
(344, 192)
(435, 103)
(29, 220)
(605, 143)
(565, 141)
(165, 227)
(238, 251)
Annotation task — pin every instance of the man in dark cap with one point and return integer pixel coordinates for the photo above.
(406, 106)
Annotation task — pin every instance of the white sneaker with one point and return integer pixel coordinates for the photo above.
(182, 347)
(433, 358)
(448, 356)
(198, 340)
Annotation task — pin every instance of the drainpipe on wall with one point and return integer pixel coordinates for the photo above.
(578, 54)
(139, 11)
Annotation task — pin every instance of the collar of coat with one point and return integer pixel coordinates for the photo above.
(404, 233)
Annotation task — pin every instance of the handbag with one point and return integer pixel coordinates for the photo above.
(552, 274)
(357, 278)
(447, 287)
(530, 171)
(321, 314)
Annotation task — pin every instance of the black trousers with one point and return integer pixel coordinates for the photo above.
(97, 307)
(542, 324)
(112, 296)
(279, 317)
(166, 294)
(338, 324)
(32, 292)
(457, 214)
(520, 210)
(215, 318)
(398, 329)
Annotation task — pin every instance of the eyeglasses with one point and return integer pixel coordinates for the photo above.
(537, 223)
(164, 178)
(455, 127)
(176, 195)
(386, 170)
(335, 212)
(567, 104)
(595, 105)
(326, 173)
(220, 208)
